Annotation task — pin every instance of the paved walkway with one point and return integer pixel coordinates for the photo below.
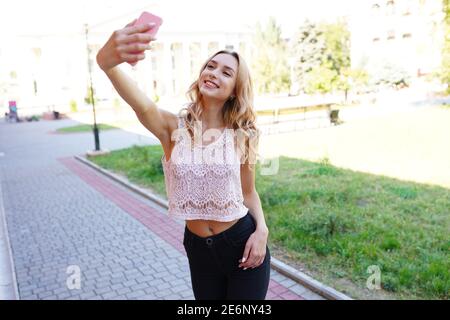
(63, 216)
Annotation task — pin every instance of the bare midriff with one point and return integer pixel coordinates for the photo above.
(207, 228)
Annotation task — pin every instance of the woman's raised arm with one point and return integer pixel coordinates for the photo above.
(129, 45)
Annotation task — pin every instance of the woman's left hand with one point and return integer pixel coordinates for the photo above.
(255, 250)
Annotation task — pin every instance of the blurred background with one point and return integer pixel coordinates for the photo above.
(314, 65)
(333, 51)
(352, 97)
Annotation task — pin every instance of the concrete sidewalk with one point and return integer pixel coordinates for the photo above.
(8, 283)
(65, 220)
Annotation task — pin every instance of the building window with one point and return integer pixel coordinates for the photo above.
(390, 7)
(407, 7)
(213, 47)
(375, 10)
(407, 11)
(391, 35)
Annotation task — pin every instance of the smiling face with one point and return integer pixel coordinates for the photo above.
(218, 79)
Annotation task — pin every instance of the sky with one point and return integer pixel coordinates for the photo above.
(22, 17)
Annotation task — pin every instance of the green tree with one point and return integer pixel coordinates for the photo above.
(352, 79)
(322, 57)
(337, 44)
(389, 74)
(320, 79)
(270, 67)
(308, 50)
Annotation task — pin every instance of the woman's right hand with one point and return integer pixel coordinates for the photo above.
(125, 45)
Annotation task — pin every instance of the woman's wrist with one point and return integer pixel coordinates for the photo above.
(104, 62)
(109, 72)
(106, 69)
(262, 228)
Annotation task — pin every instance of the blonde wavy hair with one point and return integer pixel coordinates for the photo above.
(237, 111)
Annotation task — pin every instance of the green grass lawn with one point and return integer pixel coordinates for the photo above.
(84, 128)
(339, 222)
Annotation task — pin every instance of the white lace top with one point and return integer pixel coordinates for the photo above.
(204, 182)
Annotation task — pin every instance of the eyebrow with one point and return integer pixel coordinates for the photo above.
(225, 66)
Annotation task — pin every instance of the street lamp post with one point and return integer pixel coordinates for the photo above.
(91, 90)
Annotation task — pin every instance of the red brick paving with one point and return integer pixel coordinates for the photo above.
(159, 223)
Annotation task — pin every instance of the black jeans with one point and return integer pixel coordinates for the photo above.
(214, 264)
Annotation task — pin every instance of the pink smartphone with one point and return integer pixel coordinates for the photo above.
(147, 17)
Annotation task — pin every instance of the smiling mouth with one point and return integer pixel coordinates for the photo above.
(210, 84)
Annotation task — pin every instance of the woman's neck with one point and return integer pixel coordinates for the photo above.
(211, 116)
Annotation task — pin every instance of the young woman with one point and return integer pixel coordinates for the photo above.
(211, 185)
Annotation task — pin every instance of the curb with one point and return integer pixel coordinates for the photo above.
(8, 280)
(307, 281)
(288, 271)
(124, 182)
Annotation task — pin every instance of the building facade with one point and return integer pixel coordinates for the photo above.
(47, 72)
(405, 33)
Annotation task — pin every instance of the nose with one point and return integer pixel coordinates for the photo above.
(212, 76)
(212, 73)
